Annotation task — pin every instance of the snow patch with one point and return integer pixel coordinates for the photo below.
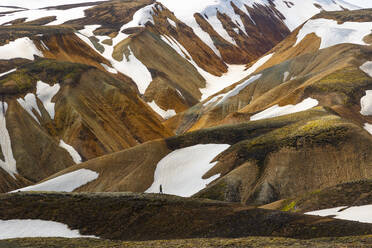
(20, 48)
(181, 172)
(285, 76)
(10, 229)
(367, 68)
(165, 114)
(109, 69)
(29, 103)
(9, 163)
(368, 127)
(359, 213)
(366, 103)
(171, 22)
(62, 16)
(233, 92)
(64, 183)
(332, 33)
(136, 70)
(71, 150)
(8, 72)
(45, 93)
(276, 110)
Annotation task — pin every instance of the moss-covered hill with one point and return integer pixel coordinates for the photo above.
(124, 216)
(355, 193)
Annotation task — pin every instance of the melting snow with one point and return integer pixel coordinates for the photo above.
(332, 33)
(135, 69)
(109, 69)
(171, 22)
(276, 110)
(9, 165)
(366, 103)
(71, 150)
(29, 103)
(8, 72)
(181, 171)
(45, 93)
(359, 213)
(165, 114)
(302, 10)
(368, 127)
(62, 16)
(10, 229)
(64, 183)
(34, 4)
(233, 92)
(285, 76)
(367, 68)
(20, 48)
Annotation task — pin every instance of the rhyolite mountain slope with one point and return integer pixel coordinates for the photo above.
(259, 157)
(75, 76)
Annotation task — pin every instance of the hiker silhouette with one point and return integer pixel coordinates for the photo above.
(161, 189)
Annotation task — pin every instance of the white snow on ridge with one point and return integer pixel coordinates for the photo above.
(332, 33)
(109, 69)
(71, 150)
(35, 4)
(7, 72)
(10, 229)
(135, 69)
(165, 114)
(223, 97)
(302, 10)
(45, 93)
(277, 110)
(64, 183)
(359, 213)
(180, 172)
(20, 48)
(62, 16)
(29, 103)
(9, 163)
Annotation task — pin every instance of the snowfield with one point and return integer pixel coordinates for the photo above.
(64, 183)
(332, 33)
(9, 163)
(181, 172)
(277, 110)
(20, 48)
(11, 229)
(360, 213)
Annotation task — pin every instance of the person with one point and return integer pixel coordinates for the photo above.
(161, 189)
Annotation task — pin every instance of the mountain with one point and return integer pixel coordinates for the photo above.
(263, 105)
